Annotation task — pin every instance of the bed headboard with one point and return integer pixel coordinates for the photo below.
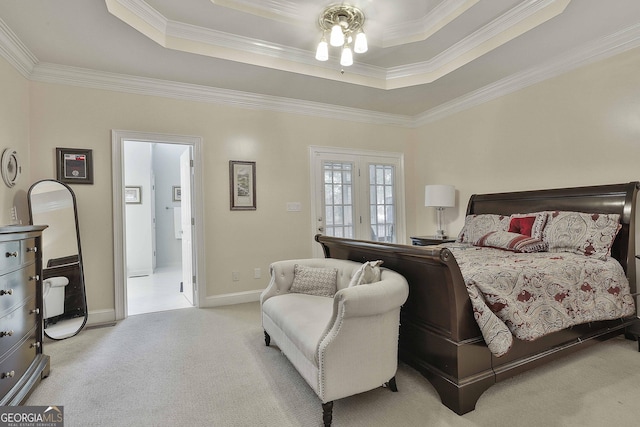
(614, 198)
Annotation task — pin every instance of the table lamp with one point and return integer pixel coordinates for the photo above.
(440, 197)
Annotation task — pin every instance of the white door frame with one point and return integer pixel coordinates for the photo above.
(119, 251)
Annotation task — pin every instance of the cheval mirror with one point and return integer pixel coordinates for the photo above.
(53, 203)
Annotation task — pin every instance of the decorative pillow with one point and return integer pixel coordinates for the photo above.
(369, 272)
(531, 224)
(582, 233)
(476, 226)
(513, 242)
(314, 281)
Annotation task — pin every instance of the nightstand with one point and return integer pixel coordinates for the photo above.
(429, 240)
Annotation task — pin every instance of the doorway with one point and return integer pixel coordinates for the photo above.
(157, 206)
(158, 269)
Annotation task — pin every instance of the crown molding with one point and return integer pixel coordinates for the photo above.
(15, 52)
(422, 28)
(589, 53)
(204, 41)
(19, 56)
(52, 73)
(522, 18)
(277, 10)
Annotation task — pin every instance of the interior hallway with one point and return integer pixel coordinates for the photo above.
(157, 292)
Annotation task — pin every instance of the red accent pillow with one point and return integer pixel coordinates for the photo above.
(522, 225)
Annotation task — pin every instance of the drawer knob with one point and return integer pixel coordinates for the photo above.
(6, 333)
(6, 292)
(35, 344)
(12, 254)
(35, 311)
(36, 277)
(9, 374)
(33, 249)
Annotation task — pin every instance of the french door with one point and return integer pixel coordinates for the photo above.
(357, 195)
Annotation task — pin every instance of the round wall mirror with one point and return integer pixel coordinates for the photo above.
(53, 203)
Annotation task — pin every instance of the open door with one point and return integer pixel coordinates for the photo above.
(188, 287)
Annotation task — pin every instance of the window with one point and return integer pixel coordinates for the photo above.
(357, 194)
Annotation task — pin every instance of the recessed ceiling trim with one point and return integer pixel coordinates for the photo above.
(179, 35)
(506, 27)
(278, 10)
(203, 41)
(422, 28)
(19, 56)
(604, 48)
(140, 16)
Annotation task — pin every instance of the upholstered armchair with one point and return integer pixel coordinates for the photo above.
(338, 330)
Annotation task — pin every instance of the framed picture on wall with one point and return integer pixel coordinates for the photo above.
(177, 194)
(74, 165)
(242, 185)
(133, 195)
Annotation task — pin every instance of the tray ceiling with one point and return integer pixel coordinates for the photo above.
(425, 57)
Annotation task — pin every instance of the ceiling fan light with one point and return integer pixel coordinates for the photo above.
(337, 37)
(346, 59)
(322, 53)
(360, 45)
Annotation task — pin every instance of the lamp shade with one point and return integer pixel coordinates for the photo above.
(438, 195)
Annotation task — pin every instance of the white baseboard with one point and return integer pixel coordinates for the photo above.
(100, 317)
(230, 299)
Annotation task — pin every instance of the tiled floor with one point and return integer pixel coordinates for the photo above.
(157, 292)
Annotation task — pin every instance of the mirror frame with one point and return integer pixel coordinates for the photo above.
(80, 261)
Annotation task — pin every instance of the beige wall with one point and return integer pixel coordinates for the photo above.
(65, 116)
(582, 128)
(14, 133)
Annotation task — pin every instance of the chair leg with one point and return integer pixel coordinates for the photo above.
(267, 338)
(392, 385)
(327, 413)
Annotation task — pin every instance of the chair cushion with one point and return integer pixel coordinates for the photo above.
(303, 319)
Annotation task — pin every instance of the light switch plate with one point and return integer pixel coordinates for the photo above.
(294, 206)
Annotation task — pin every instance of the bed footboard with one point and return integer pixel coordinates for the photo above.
(438, 335)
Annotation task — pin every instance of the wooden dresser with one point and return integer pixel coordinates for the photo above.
(22, 361)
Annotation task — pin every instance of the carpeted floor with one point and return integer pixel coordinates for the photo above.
(210, 367)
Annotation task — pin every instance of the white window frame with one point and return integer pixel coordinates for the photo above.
(362, 156)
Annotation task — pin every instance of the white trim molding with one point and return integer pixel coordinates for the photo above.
(119, 250)
(232, 298)
(204, 41)
(27, 64)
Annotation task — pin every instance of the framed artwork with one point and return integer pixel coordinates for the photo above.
(74, 165)
(133, 195)
(242, 185)
(177, 194)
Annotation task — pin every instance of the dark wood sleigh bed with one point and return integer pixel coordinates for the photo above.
(439, 336)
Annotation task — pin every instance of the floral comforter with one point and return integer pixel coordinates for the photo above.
(534, 294)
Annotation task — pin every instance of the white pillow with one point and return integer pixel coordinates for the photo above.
(369, 272)
(477, 225)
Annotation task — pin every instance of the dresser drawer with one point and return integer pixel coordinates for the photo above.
(10, 255)
(16, 287)
(15, 364)
(15, 325)
(29, 250)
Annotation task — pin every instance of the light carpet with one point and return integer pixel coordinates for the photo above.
(210, 367)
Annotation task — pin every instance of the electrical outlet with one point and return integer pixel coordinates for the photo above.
(235, 276)
(14, 215)
(257, 273)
